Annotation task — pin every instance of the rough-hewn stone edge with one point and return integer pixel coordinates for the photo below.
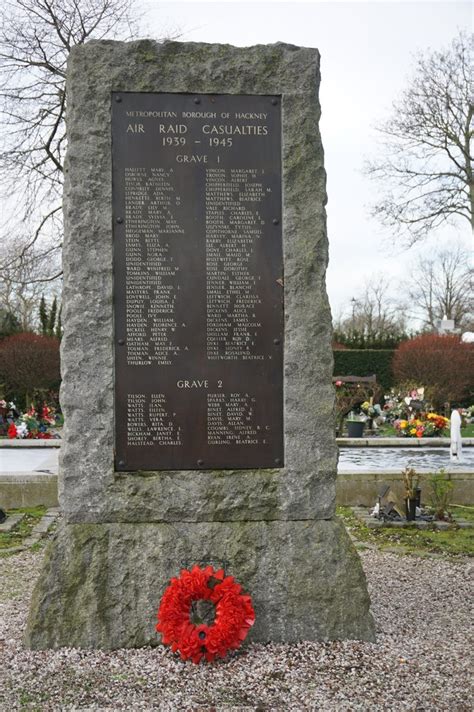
(101, 584)
(210, 496)
(89, 481)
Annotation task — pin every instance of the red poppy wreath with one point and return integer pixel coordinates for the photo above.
(196, 596)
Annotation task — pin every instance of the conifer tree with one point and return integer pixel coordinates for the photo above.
(52, 317)
(59, 327)
(43, 315)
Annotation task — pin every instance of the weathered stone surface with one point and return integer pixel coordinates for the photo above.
(125, 534)
(102, 583)
(90, 490)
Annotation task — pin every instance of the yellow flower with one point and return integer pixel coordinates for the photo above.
(412, 431)
(403, 424)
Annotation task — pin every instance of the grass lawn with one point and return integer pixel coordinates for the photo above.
(457, 542)
(23, 529)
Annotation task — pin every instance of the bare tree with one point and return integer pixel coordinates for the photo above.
(23, 283)
(374, 318)
(425, 165)
(36, 37)
(442, 285)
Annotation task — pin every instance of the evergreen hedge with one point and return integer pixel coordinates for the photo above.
(366, 362)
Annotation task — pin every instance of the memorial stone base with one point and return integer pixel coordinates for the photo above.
(102, 583)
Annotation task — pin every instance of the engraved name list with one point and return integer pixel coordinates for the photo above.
(198, 281)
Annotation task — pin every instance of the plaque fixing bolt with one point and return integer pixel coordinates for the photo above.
(275, 221)
(118, 99)
(197, 100)
(274, 102)
(277, 461)
(200, 463)
(121, 463)
(121, 342)
(120, 221)
(275, 341)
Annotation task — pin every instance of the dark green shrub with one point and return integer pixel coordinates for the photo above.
(366, 362)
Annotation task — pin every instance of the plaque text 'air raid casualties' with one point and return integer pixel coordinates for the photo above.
(198, 281)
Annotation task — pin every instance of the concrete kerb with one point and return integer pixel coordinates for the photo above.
(399, 442)
(6, 443)
(10, 523)
(363, 515)
(38, 532)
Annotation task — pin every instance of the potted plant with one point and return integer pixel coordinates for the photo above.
(441, 493)
(349, 395)
(412, 492)
(355, 425)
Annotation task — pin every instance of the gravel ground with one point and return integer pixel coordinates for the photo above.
(421, 661)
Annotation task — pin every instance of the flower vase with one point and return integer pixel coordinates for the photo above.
(410, 509)
(355, 428)
(418, 497)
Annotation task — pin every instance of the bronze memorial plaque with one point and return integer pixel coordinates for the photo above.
(198, 281)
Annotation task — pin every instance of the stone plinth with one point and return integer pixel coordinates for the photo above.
(102, 582)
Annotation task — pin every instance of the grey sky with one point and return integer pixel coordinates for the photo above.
(367, 50)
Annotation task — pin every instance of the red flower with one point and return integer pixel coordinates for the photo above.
(11, 432)
(234, 614)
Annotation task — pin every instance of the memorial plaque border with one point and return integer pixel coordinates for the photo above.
(266, 383)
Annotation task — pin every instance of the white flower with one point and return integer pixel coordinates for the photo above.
(375, 511)
(22, 430)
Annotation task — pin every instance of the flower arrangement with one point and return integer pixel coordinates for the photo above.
(373, 411)
(368, 408)
(8, 413)
(403, 403)
(36, 423)
(189, 634)
(349, 396)
(469, 414)
(423, 425)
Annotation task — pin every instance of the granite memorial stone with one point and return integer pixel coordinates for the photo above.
(196, 358)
